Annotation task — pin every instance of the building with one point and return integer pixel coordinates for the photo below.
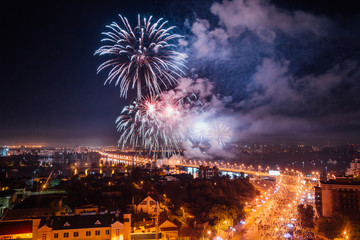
(4, 151)
(86, 209)
(169, 230)
(98, 227)
(318, 201)
(34, 207)
(16, 230)
(207, 172)
(7, 198)
(147, 229)
(354, 168)
(341, 195)
(147, 205)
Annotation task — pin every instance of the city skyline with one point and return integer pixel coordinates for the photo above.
(284, 74)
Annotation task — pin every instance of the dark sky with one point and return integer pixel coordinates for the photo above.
(50, 92)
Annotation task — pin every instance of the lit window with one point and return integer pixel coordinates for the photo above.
(56, 235)
(66, 235)
(88, 233)
(107, 232)
(117, 233)
(76, 234)
(44, 237)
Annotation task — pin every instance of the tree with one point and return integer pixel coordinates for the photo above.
(306, 215)
(222, 217)
(57, 207)
(334, 226)
(355, 232)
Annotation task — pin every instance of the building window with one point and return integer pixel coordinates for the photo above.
(97, 232)
(56, 235)
(44, 237)
(88, 233)
(76, 234)
(66, 235)
(117, 233)
(107, 232)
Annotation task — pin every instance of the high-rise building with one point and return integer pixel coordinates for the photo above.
(341, 195)
(354, 168)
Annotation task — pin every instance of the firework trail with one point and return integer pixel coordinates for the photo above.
(141, 56)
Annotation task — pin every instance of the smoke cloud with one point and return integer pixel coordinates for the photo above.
(275, 75)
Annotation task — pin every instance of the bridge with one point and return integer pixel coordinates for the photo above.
(114, 159)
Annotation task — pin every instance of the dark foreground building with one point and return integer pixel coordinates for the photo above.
(338, 196)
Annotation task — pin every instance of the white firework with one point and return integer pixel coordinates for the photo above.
(142, 57)
(219, 133)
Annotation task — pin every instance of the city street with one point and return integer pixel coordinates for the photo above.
(276, 216)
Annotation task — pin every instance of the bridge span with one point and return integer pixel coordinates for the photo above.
(114, 159)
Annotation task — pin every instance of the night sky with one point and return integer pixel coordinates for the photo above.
(286, 71)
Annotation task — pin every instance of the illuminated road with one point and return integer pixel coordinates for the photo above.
(277, 217)
(250, 226)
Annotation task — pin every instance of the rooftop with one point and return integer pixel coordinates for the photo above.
(81, 221)
(342, 181)
(15, 227)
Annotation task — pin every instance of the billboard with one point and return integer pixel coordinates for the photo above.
(274, 173)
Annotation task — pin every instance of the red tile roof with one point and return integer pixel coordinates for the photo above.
(15, 227)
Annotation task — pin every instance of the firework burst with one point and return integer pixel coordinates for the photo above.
(199, 132)
(143, 56)
(219, 133)
(210, 132)
(153, 124)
